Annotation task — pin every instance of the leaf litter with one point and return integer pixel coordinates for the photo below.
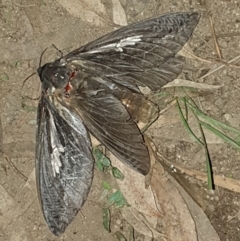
(91, 11)
(176, 215)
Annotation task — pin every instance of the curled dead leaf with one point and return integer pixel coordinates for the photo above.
(140, 222)
(133, 189)
(119, 15)
(91, 11)
(187, 52)
(191, 84)
(160, 202)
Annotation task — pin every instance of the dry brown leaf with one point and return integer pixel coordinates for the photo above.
(178, 219)
(191, 84)
(205, 230)
(88, 10)
(27, 193)
(176, 213)
(119, 15)
(133, 189)
(17, 231)
(6, 200)
(187, 52)
(139, 222)
(225, 182)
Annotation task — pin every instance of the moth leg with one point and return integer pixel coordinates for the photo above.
(152, 154)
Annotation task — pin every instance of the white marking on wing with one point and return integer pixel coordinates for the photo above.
(56, 147)
(55, 158)
(129, 41)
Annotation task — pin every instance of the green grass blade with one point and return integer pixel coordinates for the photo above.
(185, 123)
(208, 159)
(120, 236)
(211, 120)
(221, 135)
(204, 144)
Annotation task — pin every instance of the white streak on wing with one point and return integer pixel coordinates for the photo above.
(72, 119)
(55, 158)
(168, 36)
(129, 41)
(56, 147)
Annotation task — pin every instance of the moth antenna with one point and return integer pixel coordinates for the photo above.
(61, 53)
(25, 96)
(30, 98)
(40, 61)
(28, 78)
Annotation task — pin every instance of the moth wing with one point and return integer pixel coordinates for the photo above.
(109, 121)
(64, 165)
(142, 54)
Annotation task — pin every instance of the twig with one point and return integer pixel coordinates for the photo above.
(25, 6)
(227, 64)
(168, 107)
(23, 119)
(207, 44)
(220, 67)
(15, 168)
(228, 35)
(215, 38)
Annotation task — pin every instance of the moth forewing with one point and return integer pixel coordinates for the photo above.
(64, 164)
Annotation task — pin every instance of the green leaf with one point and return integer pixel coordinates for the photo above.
(118, 199)
(105, 161)
(104, 194)
(131, 234)
(106, 219)
(17, 63)
(106, 185)
(100, 157)
(120, 236)
(4, 77)
(99, 165)
(97, 153)
(117, 173)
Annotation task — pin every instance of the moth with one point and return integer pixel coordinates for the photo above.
(95, 89)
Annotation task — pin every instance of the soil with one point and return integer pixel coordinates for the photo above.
(30, 26)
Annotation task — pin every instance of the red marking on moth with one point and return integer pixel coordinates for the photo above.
(68, 87)
(72, 75)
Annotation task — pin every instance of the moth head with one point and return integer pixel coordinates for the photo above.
(55, 74)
